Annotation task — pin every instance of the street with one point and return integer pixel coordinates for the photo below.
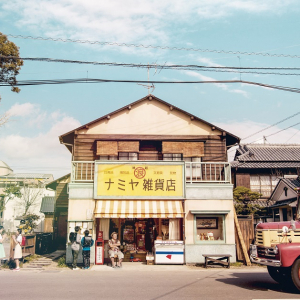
(135, 281)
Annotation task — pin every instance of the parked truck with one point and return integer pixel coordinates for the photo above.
(277, 245)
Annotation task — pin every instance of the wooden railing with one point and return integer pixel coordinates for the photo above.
(195, 172)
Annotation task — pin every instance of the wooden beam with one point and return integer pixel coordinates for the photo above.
(138, 137)
(241, 239)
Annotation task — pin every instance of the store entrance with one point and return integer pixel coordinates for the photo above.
(138, 235)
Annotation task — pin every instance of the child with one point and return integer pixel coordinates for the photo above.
(86, 242)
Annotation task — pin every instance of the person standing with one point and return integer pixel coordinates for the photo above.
(18, 248)
(2, 238)
(86, 242)
(75, 246)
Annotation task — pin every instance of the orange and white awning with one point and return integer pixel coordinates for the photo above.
(139, 209)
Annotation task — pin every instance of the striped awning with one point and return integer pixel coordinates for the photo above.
(139, 209)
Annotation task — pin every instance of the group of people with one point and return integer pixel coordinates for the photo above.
(87, 242)
(17, 239)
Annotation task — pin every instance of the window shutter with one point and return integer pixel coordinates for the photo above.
(125, 146)
(107, 148)
(188, 149)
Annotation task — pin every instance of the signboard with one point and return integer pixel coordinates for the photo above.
(139, 180)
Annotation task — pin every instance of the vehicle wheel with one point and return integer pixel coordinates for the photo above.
(295, 273)
(281, 275)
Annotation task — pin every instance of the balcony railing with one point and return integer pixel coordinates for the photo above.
(195, 172)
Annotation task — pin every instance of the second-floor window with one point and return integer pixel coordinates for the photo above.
(128, 156)
(108, 157)
(172, 156)
(263, 184)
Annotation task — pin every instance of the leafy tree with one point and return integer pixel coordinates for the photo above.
(8, 194)
(9, 67)
(243, 198)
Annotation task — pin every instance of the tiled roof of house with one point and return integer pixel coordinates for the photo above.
(267, 156)
(47, 205)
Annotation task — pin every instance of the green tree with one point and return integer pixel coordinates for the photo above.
(9, 67)
(8, 194)
(244, 198)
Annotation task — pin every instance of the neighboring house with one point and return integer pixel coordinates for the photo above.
(152, 169)
(61, 199)
(32, 185)
(284, 198)
(259, 166)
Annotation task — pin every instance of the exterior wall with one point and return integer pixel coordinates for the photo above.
(14, 210)
(209, 199)
(142, 116)
(48, 223)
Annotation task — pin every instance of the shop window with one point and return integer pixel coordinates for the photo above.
(209, 229)
(128, 156)
(172, 156)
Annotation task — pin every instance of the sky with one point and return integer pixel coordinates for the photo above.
(39, 114)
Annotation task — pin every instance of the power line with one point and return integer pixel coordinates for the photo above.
(277, 132)
(150, 46)
(165, 66)
(271, 125)
(91, 80)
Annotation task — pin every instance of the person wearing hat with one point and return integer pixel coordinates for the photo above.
(114, 245)
(75, 240)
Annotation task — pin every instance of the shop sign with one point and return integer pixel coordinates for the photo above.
(136, 180)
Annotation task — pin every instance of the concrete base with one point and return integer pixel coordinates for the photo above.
(193, 253)
(69, 257)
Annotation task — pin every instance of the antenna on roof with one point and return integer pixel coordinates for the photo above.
(148, 86)
(265, 139)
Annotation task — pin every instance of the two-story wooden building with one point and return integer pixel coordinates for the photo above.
(153, 171)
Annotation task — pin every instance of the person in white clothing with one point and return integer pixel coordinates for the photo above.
(18, 248)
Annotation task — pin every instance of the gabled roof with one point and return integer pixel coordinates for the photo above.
(290, 183)
(69, 136)
(53, 184)
(267, 156)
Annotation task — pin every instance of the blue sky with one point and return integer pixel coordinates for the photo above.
(39, 114)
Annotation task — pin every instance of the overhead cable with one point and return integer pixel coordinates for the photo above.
(165, 66)
(150, 46)
(271, 125)
(91, 80)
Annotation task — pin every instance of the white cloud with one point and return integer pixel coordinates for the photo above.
(223, 86)
(22, 110)
(42, 152)
(129, 21)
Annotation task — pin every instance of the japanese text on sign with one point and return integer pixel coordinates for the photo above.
(147, 180)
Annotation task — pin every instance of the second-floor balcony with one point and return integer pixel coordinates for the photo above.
(195, 172)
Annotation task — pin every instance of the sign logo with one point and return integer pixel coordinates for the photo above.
(169, 256)
(139, 173)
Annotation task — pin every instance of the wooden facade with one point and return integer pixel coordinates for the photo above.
(60, 218)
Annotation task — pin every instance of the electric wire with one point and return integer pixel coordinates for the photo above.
(151, 46)
(276, 132)
(91, 80)
(271, 125)
(166, 66)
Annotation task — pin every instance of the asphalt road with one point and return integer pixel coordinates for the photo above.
(134, 283)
